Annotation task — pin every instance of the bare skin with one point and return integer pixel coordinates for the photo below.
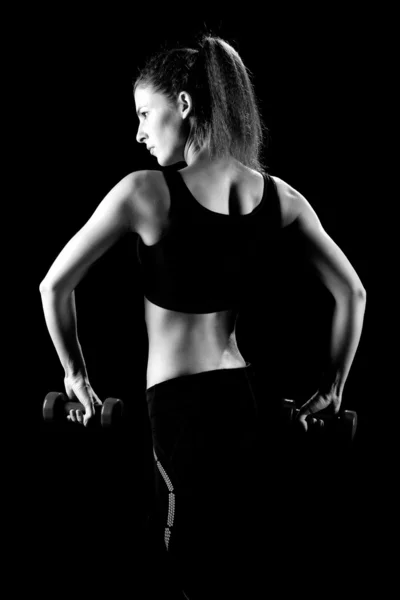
(183, 343)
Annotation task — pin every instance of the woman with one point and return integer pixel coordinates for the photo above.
(199, 229)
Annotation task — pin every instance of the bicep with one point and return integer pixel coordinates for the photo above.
(319, 251)
(110, 221)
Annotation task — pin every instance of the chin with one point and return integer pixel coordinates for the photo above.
(168, 162)
(168, 159)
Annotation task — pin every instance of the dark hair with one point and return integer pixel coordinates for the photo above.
(225, 111)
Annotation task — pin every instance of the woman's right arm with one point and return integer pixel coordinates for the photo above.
(118, 213)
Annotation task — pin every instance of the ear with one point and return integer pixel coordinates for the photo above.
(185, 103)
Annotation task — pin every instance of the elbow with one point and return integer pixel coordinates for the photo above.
(360, 292)
(43, 287)
(357, 292)
(357, 289)
(47, 286)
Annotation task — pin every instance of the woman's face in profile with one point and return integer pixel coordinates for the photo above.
(161, 126)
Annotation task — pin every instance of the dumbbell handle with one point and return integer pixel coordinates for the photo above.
(345, 417)
(345, 414)
(102, 413)
(56, 405)
(70, 405)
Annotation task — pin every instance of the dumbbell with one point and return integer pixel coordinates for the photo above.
(343, 425)
(56, 407)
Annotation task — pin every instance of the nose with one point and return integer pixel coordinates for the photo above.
(141, 136)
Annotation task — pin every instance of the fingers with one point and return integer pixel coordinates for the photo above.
(314, 422)
(306, 421)
(87, 416)
(302, 416)
(306, 413)
(96, 400)
(303, 422)
(77, 416)
(89, 401)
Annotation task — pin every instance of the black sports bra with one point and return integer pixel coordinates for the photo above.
(203, 260)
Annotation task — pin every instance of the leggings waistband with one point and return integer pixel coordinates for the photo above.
(206, 385)
(212, 374)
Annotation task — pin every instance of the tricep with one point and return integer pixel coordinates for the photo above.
(318, 249)
(112, 219)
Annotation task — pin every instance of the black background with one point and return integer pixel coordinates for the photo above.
(76, 140)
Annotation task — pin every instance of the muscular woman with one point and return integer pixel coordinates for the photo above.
(198, 230)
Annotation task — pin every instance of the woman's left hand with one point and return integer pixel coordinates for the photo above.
(317, 403)
(78, 389)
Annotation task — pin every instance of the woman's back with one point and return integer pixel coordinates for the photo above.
(229, 188)
(184, 342)
(201, 232)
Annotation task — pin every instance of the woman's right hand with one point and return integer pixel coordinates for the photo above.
(78, 389)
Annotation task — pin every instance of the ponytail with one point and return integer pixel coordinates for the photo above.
(225, 114)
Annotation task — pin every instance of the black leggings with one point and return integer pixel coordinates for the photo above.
(207, 472)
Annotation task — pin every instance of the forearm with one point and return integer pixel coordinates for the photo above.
(346, 328)
(60, 315)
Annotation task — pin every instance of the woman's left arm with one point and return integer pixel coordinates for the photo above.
(333, 268)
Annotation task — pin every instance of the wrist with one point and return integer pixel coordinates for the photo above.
(72, 371)
(330, 384)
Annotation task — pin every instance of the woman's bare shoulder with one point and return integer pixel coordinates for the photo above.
(145, 181)
(290, 200)
(147, 196)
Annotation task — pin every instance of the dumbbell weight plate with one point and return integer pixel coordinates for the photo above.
(53, 406)
(347, 420)
(288, 409)
(111, 412)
